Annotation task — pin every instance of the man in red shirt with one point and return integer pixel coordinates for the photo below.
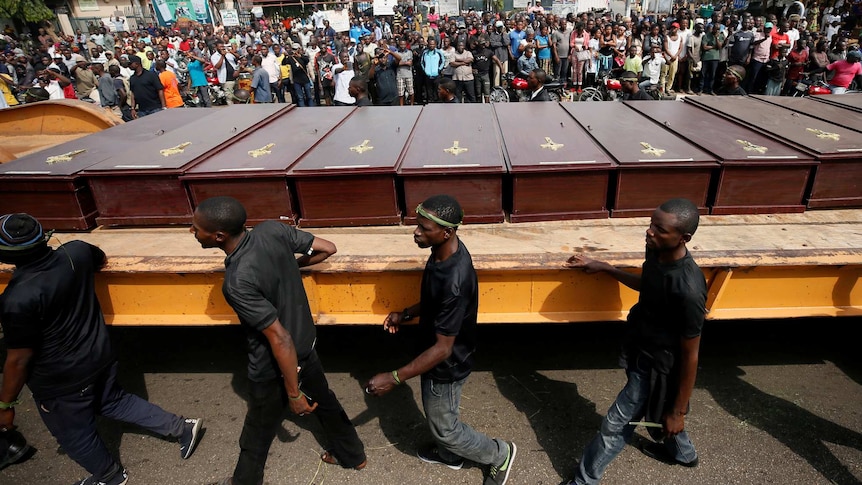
(845, 72)
(798, 59)
(779, 38)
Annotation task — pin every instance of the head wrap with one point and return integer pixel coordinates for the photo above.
(20, 232)
(424, 213)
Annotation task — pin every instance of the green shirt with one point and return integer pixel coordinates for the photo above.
(716, 42)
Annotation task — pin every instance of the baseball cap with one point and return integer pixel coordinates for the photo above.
(133, 59)
(675, 25)
(499, 23)
(768, 25)
(294, 46)
(698, 21)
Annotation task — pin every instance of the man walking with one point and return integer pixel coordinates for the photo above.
(263, 285)
(661, 351)
(59, 346)
(447, 313)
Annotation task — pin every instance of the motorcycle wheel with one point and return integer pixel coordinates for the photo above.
(499, 95)
(591, 94)
(554, 96)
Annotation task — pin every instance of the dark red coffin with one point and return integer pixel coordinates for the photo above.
(654, 164)
(838, 178)
(557, 170)
(848, 101)
(456, 150)
(142, 187)
(254, 169)
(758, 174)
(48, 184)
(348, 179)
(832, 113)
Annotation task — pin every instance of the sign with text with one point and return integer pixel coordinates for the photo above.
(229, 17)
(384, 7)
(338, 19)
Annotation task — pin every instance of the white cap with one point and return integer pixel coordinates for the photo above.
(499, 23)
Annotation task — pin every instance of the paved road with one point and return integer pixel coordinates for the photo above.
(775, 403)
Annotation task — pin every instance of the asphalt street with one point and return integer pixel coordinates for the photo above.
(776, 402)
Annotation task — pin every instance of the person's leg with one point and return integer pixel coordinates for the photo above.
(308, 97)
(470, 87)
(116, 403)
(615, 430)
(770, 88)
(671, 74)
(681, 448)
(410, 90)
(204, 93)
(837, 89)
(298, 92)
(751, 78)
(564, 70)
(229, 87)
(266, 404)
(344, 443)
(459, 91)
(455, 439)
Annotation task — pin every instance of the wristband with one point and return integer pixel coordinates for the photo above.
(10, 405)
(406, 316)
(297, 398)
(395, 376)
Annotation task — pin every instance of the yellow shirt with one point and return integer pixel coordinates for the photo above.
(11, 100)
(285, 70)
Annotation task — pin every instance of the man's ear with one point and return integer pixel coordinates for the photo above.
(686, 237)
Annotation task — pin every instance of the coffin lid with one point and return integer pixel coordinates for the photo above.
(834, 114)
(849, 101)
(372, 139)
(177, 149)
(542, 137)
(274, 146)
(98, 146)
(728, 141)
(802, 131)
(455, 138)
(632, 139)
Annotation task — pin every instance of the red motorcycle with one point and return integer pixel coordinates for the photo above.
(515, 89)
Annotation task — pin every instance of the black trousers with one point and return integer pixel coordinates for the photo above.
(465, 91)
(431, 85)
(266, 407)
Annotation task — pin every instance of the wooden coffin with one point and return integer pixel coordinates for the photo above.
(348, 179)
(838, 178)
(837, 115)
(557, 171)
(48, 184)
(456, 150)
(654, 164)
(142, 186)
(758, 174)
(851, 102)
(254, 169)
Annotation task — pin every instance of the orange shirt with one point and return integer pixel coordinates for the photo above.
(172, 91)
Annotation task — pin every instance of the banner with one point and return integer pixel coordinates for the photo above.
(383, 7)
(520, 4)
(448, 7)
(169, 11)
(338, 19)
(229, 17)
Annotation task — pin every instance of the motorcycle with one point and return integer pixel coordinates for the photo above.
(810, 85)
(515, 89)
(610, 89)
(218, 96)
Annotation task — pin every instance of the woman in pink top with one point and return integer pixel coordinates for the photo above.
(580, 53)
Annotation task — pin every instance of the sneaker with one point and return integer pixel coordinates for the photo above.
(189, 438)
(660, 453)
(119, 478)
(497, 475)
(15, 447)
(432, 455)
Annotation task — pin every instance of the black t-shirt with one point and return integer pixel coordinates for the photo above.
(262, 283)
(146, 89)
(50, 306)
(741, 46)
(725, 91)
(298, 69)
(482, 60)
(384, 75)
(672, 303)
(641, 95)
(450, 304)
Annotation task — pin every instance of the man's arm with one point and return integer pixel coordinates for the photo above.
(14, 377)
(284, 353)
(674, 420)
(631, 280)
(321, 249)
(384, 382)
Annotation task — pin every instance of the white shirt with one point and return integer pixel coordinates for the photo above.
(54, 90)
(342, 82)
(270, 65)
(222, 71)
(318, 19)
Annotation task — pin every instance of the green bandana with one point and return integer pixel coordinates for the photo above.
(422, 212)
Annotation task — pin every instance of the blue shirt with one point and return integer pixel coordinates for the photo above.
(516, 37)
(543, 52)
(196, 73)
(358, 31)
(260, 84)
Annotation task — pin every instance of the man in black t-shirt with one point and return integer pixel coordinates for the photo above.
(263, 285)
(631, 90)
(148, 94)
(447, 312)
(661, 353)
(59, 346)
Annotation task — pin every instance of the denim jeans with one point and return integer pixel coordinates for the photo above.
(456, 440)
(266, 407)
(615, 432)
(72, 421)
(708, 79)
(304, 94)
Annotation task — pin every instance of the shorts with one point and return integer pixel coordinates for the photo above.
(405, 86)
(483, 84)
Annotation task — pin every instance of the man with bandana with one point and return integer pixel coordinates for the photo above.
(447, 312)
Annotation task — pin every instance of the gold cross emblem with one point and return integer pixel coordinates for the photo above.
(824, 134)
(551, 145)
(362, 147)
(650, 150)
(455, 149)
(751, 147)
(175, 150)
(264, 150)
(64, 157)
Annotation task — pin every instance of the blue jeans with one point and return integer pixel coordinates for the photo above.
(708, 78)
(456, 440)
(615, 432)
(304, 94)
(72, 421)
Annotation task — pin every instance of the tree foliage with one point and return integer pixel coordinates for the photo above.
(25, 10)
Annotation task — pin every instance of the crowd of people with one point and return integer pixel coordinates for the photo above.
(408, 58)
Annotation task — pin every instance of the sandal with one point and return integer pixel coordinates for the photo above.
(327, 457)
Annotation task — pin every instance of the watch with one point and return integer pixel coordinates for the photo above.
(406, 316)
